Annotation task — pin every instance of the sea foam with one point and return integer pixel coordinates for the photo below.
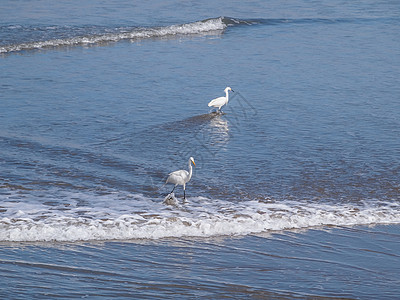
(125, 217)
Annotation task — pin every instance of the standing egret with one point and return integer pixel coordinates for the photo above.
(181, 177)
(220, 101)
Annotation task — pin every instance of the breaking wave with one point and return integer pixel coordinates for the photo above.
(82, 217)
(36, 38)
(93, 35)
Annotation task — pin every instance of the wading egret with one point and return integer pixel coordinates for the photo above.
(181, 177)
(220, 101)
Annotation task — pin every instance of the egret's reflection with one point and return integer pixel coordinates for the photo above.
(219, 131)
(220, 125)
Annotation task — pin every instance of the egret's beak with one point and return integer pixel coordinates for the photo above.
(193, 163)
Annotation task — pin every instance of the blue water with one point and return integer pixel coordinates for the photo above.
(296, 187)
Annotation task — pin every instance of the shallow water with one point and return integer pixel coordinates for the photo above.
(345, 263)
(99, 104)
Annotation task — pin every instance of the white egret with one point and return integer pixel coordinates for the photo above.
(181, 177)
(220, 101)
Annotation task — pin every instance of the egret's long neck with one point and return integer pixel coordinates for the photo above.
(190, 170)
(227, 96)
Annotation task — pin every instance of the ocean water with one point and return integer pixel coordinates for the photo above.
(296, 189)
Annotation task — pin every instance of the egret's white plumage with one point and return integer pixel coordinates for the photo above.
(220, 101)
(181, 177)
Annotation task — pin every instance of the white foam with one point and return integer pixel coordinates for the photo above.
(199, 27)
(133, 216)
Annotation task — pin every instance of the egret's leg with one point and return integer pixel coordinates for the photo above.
(184, 192)
(173, 189)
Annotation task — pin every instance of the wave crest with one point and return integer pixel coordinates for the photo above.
(195, 28)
